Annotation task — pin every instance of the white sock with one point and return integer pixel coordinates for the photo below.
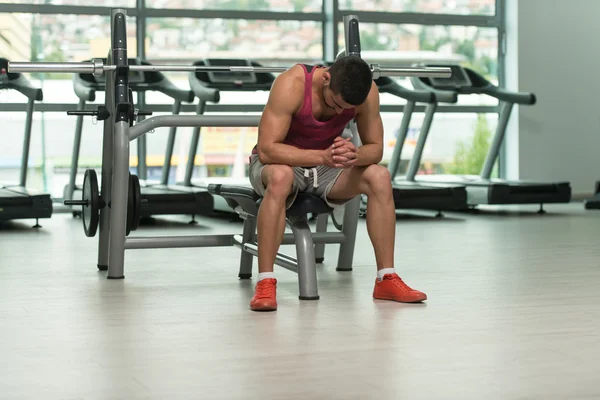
(385, 271)
(265, 275)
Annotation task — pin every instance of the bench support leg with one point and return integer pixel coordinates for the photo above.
(320, 248)
(305, 253)
(346, 254)
(246, 258)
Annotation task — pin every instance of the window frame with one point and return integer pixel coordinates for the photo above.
(329, 17)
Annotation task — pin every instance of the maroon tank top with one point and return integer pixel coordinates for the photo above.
(306, 132)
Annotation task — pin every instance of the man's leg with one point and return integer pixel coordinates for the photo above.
(278, 180)
(375, 182)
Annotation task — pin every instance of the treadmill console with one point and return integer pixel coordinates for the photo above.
(238, 78)
(458, 80)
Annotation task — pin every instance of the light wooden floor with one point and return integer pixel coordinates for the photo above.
(513, 313)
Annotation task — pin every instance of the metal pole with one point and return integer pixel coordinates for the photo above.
(322, 220)
(170, 146)
(352, 35)
(189, 170)
(96, 68)
(415, 162)
(142, 169)
(75, 152)
(107, 173)
(193, 121)
(350, 224)
(492, 154)
(120, 185)
(401, 139)
(118, 212)
(26, 142)
(305, 253)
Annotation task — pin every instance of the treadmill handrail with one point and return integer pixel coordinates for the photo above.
(168, 88)
(83, 90)
(86, 90)
(525, 98)
(23, 86)
(203, 92)
(388, 85)
(442, 96)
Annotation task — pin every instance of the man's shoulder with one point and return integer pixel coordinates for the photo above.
(291, 82)
(293, 75)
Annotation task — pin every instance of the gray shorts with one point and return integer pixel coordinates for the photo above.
(318, 180)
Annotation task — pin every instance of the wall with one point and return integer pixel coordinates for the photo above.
(553, 52)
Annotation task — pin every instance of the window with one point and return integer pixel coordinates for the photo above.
(457, 143)
(91, 3)
(58, 38)
(278, 43)
(245, 5)
(464, 7)
(470, 46)
(452, 145)
(53, 37)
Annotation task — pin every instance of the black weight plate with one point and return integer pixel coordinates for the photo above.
(130, 201)
(90, 211)
(135, 190)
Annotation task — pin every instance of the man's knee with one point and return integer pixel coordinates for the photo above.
(377, 180)
(279, 180)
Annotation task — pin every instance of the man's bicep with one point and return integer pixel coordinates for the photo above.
(274, 124)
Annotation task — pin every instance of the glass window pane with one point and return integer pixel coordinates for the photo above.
(273, 43)
(59, 38)
(470, 46)
(464, 7)
(456, 144)
(50, 37)
(245, 5)
(91, 3)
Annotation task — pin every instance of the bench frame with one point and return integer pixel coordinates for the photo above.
(310, 247)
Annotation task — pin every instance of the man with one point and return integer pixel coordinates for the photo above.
(300, 149)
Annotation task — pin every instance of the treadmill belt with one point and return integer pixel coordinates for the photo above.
(415, 196)
(16, 203)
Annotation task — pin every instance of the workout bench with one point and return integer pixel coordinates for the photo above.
(310, 247)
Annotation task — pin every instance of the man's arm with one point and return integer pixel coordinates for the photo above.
(370, 129)
(285, 98)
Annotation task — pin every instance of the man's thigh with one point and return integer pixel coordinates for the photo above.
(259, 176)
(347, 185)
(337, 186)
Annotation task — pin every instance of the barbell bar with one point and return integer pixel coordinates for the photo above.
(97, 67)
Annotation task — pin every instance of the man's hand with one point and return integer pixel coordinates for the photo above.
(343, 153)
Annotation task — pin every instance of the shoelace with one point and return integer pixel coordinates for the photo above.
(398, 282)
(265, 289)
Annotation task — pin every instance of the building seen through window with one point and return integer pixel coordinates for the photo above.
(454, 137)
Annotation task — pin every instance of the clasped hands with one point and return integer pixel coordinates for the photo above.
(341, 154)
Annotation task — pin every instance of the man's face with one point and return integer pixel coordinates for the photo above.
(334, 100)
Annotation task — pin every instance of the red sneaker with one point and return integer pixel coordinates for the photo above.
(265, 296)
(392, 287)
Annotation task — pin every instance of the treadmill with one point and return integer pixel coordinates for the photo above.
(482, 189)
(16, 200)
(409, 193)
(162, 198)
(593, 203)
(207, 86)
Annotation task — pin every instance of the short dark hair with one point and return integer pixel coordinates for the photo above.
(351, 78)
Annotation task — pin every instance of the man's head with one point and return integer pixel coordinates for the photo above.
(347, 83)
